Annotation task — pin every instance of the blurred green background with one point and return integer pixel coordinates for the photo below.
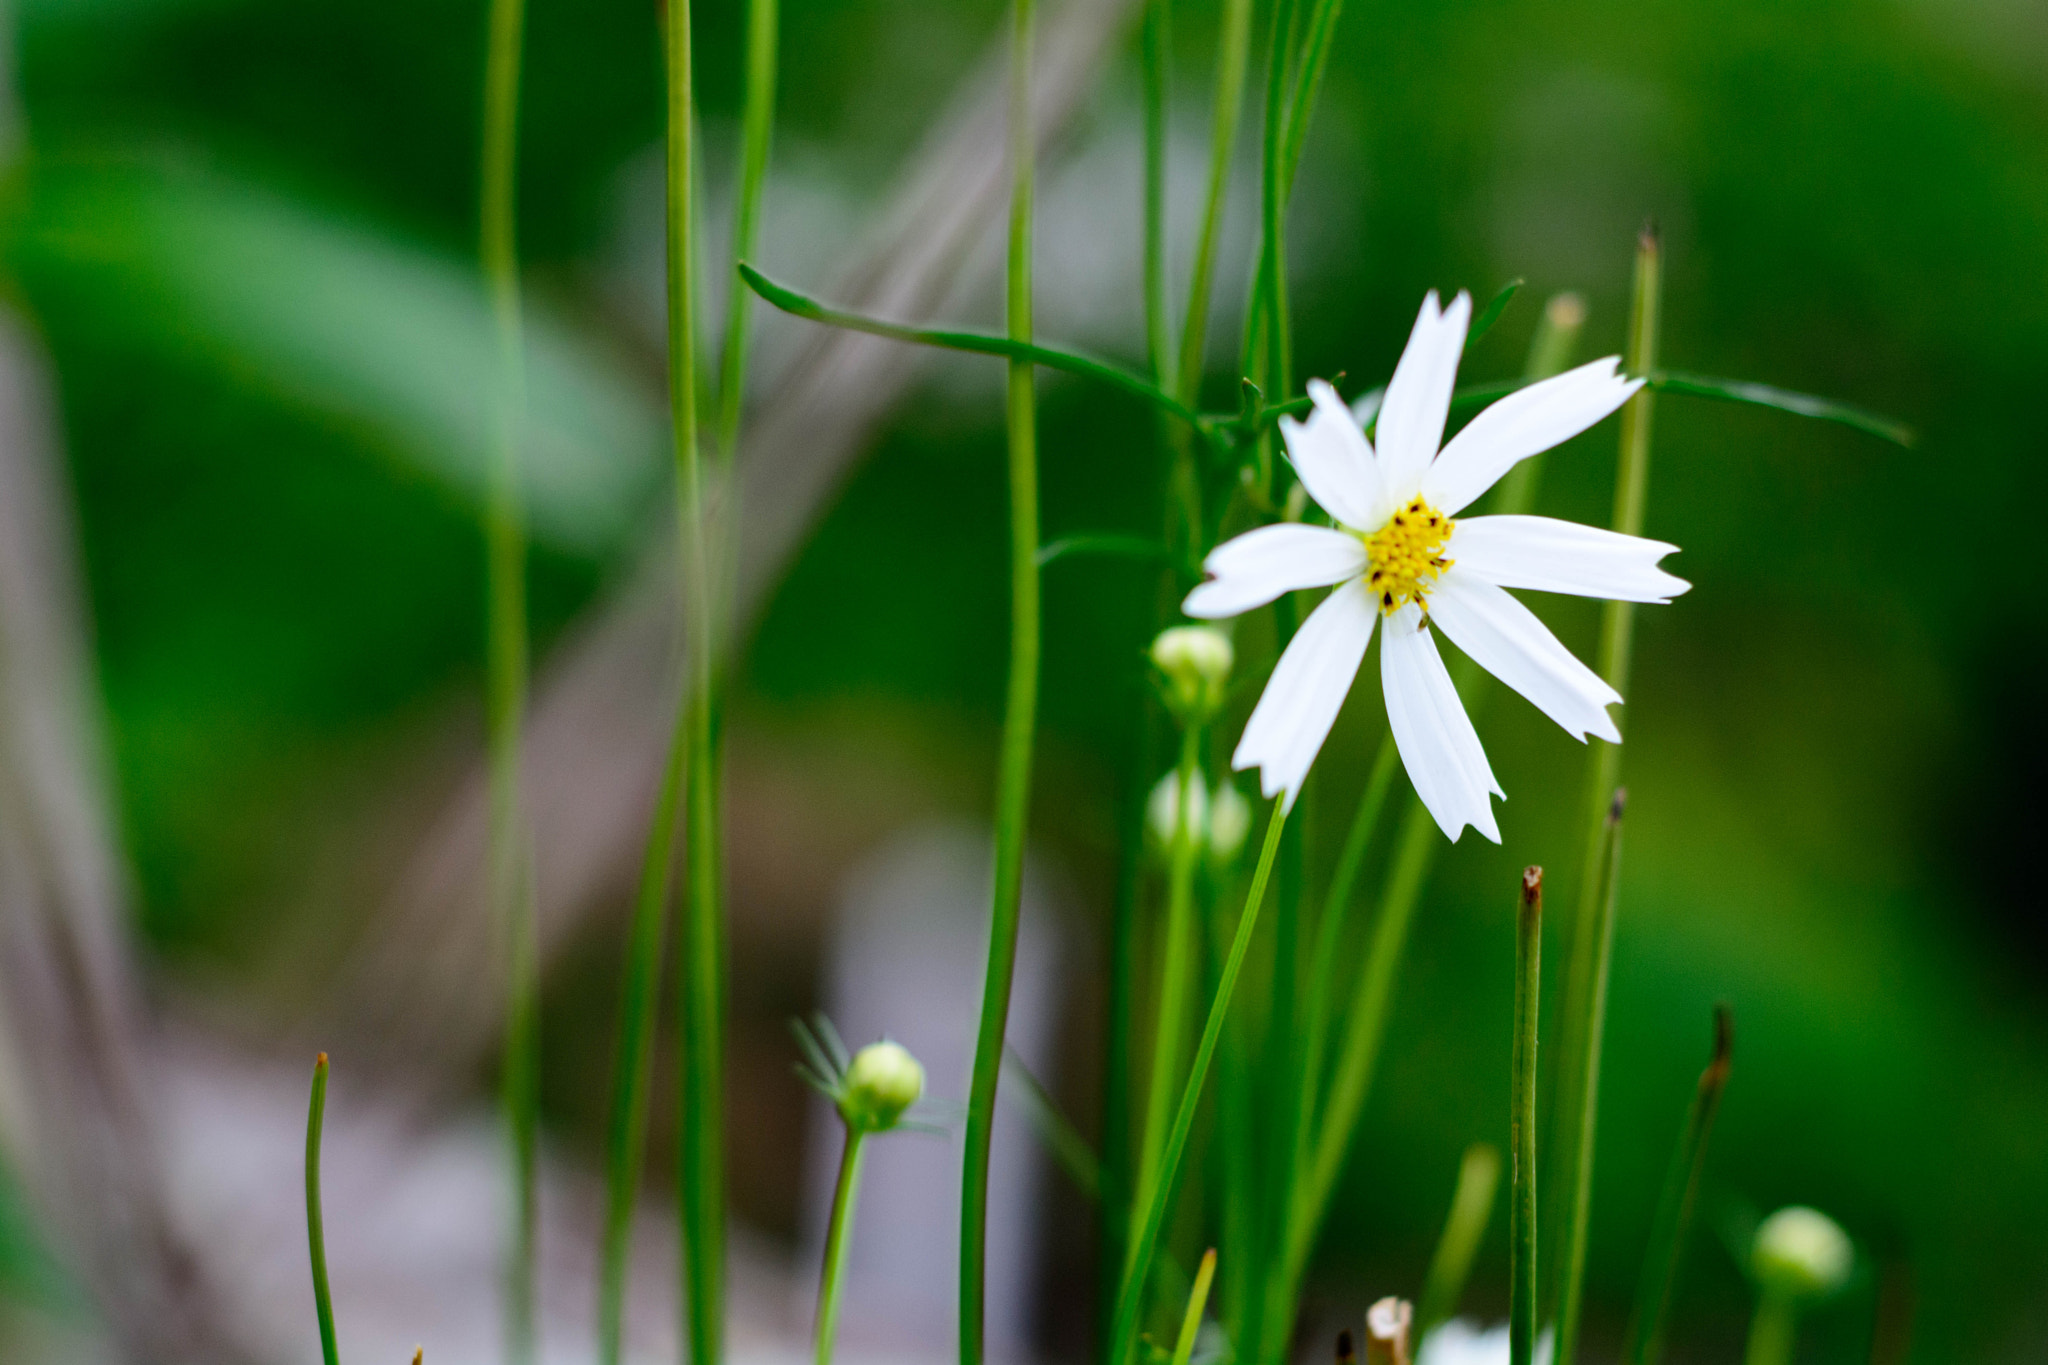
(1836, 740)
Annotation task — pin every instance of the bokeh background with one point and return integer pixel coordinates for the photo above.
(237, 239)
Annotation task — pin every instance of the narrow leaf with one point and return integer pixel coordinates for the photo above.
(1115, 547)
(1490, 314)
(1784, 400)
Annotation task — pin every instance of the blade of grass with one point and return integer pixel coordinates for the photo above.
(1154, 44)
(1617, 623)
(509, 850)
(1645, 1343)
(757, 129)
(316, 1236)
(1198, 1299)
(1522, 1123)
(1451, 1265)
(1784, 400)
(1232, 56)
(1018, 350)
(1020, 707)
(1070, 1151)
(1490, 314)
(1579, 1209)
(1138, 1260)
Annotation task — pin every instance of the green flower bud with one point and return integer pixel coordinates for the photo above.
(1195, 662)
(1230, 820)
(883, 1081)
(1162, 812)
(1801, 1253)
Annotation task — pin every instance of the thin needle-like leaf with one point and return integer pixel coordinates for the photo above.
(1490, 314)
(1784, 400)
(1064, 1141)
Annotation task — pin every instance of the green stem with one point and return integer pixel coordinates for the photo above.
(639, 1004)
(1198, 1299)
(1233, 54)
(1772, 1331)
(1158, 326)
(1138, 1260)
(1273, 208)
(1617, 620)
(316, 1236)
(1020, 708)
(1451, 1266)
(757, 128)
(701, 1092)
(838, 1239)
(1645, 1342)
(1579, 1205)
(1176, 975)
(1114, 1213)
(1522, 1123)
(511, 887)
(1315, 59)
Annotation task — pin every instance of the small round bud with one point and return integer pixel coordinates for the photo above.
(1196, 663)
(1230, 820)
(883, 1081)
(1162, 811)
(1801, 1253)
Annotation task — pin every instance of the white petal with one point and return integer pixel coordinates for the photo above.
(1258, 566)
(1505, 638)
(1334, 459)
(1306, 691)
(1563, 556)
(1438, 745)
(1419, 396)
(1522, 424)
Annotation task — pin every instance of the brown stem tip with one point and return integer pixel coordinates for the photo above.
(1386, 1331)
(1650, 236)
(1532, 882)
(1724, 1038)
(1618, 806)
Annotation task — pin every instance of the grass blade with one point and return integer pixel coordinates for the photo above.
(1471, 1210)
(316, 1236)
(1490, 314)
(1522, 1123)
(1783, 400)
(1069, 1150)
(1198, 1299)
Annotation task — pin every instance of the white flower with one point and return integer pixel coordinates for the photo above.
(1458, 1342)
(1396, 552)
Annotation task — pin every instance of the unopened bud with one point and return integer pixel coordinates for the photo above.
(1801, 1253)
(1195, 662)
(883, 1081)
(1230, 821)
(1162, 811)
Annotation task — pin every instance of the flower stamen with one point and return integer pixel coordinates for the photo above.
(1406, 555)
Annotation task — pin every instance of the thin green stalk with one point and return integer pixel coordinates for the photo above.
(1522, 1123)
(757, 127)
(1315, 59)
(1471, 1210)
(1176, 974)
(511, 887)
(639, 1004)
(1158, 327)
(316, 1236)
(1138, 1260)
(1579, 1205)
(1772, 1331)
(1113, 1215)
(1236, 1110)
(1617, 620)
(1233, 54)
(1198, 1299)
(701, 1173)
(1645, 1343)
(1273, 208)
(837, 1239)
(1020, 708)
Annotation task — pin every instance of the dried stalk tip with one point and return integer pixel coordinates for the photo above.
(1532, 881)
(419, 1353)
(1567, 310)
(1724, 1037)
(1347, 1349)
(1650, 236)
(1617, 806)
(1386, 1331)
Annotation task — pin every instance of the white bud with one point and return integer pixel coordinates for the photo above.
(1196, 662)
(883, 1081)
(1162, 811)
(1801, 1253)
(1230, 820)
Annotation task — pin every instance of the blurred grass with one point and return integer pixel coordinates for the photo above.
(243, 235)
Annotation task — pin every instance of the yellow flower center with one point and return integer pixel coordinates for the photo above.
(1407, 555)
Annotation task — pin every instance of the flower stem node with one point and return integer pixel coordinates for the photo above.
(1801, 1253)
(883, 1081)
(1195, 663)
(1221, 818)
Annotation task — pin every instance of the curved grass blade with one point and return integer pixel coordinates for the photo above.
(1112, 547)
(1490, 314)
(1069, 1150)
(316, 1240)
(1784, 400)
(976, 343)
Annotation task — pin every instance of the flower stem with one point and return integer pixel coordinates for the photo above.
(1138, 1260)
(1522, 1123)
(1471, 1210)
(1273, 207)
(639, 1003)
(1772, 1331)
(509, 875)
(1020, 709)
(1158, 326)
(701, 1176)
(1616, 627)
(1674, 1208)
(316, 1236)
(1176, 974)
(838, 1238)
(1232, 56)
(757, 127)
(1579, 1204)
